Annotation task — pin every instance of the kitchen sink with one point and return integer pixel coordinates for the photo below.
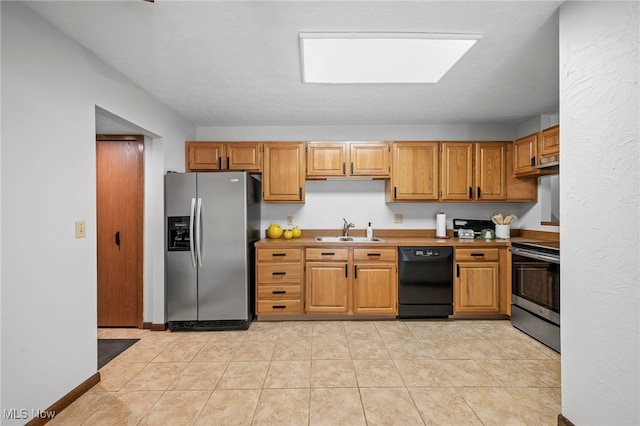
(349, 240)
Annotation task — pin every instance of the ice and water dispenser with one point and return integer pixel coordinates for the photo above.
(179, 236)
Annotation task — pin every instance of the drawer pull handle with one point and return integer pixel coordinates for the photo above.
(279, 273)
(279, 254)
(477, 254)
(279, 292)
(279, 306)
(328, 253)
(373, 254)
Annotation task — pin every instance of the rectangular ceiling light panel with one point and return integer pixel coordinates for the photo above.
(381, 57)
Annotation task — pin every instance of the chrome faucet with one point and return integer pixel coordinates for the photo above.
(345, 228)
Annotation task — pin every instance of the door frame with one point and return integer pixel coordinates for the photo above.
(140, 234)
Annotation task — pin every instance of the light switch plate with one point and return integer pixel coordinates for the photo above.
(81, 229)
(398, 218)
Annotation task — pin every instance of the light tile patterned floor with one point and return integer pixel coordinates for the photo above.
(327, 373)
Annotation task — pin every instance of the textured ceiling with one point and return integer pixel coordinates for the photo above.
(237, 63)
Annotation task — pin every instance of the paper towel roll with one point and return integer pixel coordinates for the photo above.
(441, 225)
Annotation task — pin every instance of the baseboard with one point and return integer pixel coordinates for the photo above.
(65, 401)
(154, 327)
(563, 421)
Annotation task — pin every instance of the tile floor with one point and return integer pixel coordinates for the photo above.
(327, 373)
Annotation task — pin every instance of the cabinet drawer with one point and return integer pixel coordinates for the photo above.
(279, 255)
(278, 292)
(279, 307)
(280, 273)
(478, 255)
(385, 255)
(327, 254)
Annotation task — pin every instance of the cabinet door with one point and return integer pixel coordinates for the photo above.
(476, 287)
(457, 171)
(375, 289)
(326, 159)
(549, 145)
(244, 156)
(525, 151)
(490, 171)
(414, 175)
(204, 156)
(519, 187)
(283, 172)
(327, 287)
(369, 159)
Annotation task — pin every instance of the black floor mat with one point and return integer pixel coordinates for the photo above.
(108, 349)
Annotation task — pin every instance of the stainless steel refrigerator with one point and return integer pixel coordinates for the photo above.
(211, 223)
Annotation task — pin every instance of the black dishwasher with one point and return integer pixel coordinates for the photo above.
(425, 282)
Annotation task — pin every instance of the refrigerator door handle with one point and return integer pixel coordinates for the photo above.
(191, 234)
(198, 224)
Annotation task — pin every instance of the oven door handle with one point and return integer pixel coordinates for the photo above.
(537, 256)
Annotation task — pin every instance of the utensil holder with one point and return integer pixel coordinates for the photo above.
(503, 231)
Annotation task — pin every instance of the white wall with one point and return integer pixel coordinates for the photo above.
(50, 89)
(600, 215)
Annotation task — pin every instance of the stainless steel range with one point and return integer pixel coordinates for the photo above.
(535, 296)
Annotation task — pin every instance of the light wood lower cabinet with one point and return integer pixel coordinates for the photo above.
(327, 278)
(279, 274)
(477, 281)
(351, 281)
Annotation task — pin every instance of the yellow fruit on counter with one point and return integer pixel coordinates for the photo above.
(274, 231)
(296, 232)
(288, 234)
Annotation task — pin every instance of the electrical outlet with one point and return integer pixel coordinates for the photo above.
(81, 229)
(398, 218)
(289, 220)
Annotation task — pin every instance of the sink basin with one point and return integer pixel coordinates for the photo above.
(349, 240)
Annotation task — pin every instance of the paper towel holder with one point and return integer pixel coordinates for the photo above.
(445, 236)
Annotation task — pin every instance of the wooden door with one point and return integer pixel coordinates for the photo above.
(326, 159)
(490, 170)
(119, 189)
(457, 171)
(283, 175)
(204, 156)
(244, 156)
(549, 145)
(369, 159)
(524, 156)
(327, 287)
(375, 289)
(476, 288)
(415, 171)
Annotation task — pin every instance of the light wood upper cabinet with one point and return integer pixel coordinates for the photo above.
(244, 156)
(217, 156)
(549, 145)
(283, 174)
(414, 172)
(369, 159)
(326, 159)
(203, 156)
(519, 188)
(490, 161)
(525, 151)
(473, 171)
(457, 171)
(344, 159)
